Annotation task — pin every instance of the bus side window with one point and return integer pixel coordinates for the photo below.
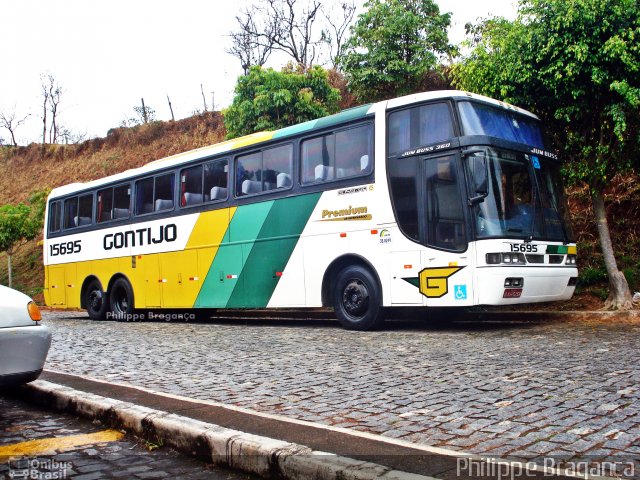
(85, 211)
(70, 212)
(105, 204)
(318, 159)
(144, 196)
(54, 217)
(191, 186)
(121, 201)
(215, 180)
(353, 152)
(276, 167)
(249, 174)
(163, 195)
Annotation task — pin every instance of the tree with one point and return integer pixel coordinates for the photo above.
(20, 224)
(577, 64)
(339, 25)
(52, 95)
(11, 122)
(393, 46)
(300, 29)
(266, 99)
(252, 44)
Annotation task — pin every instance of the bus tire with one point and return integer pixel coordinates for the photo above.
(357, 299)
(121, 300)
(96, 300)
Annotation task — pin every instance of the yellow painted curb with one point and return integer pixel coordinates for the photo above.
(58, 444)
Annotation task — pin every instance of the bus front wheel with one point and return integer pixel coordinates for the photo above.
(96, 301)
(357, 299)
(121, 299)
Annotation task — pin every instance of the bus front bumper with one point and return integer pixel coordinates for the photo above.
(514, 285)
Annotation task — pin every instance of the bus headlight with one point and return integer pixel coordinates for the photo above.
(571, 260)
(505, 258)
(494, 258)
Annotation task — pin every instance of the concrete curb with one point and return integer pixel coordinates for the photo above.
(250, 453)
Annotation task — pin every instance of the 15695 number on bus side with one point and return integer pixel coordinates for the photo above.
(64, 248)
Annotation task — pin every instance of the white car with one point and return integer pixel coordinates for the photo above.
(24, 341)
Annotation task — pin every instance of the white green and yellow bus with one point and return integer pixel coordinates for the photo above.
(438, 199)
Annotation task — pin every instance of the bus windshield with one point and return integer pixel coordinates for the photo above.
(524, 200)
(481, 119)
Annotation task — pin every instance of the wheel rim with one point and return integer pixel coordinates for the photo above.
(355, 298)
(95, 299)
(121, 301)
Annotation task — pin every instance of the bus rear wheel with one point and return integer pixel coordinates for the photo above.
(357, 299)
(96, 301)
(121, 299)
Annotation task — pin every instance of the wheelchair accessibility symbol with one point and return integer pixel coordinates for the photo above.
(460, 292)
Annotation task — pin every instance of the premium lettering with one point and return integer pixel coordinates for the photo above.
(344, 212)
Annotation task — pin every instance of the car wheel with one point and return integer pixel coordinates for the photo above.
(96, 301)
(121, 299)
(357, 299)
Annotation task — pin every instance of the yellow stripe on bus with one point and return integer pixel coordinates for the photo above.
(44, 446)
(210, 228)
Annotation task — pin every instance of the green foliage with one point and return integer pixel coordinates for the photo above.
(21, 223)
(393, 46)
(592, 275)
(17, 224)
(576, 63)
(266, 99)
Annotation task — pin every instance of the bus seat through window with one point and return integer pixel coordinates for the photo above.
(364, 163)
(162, 204)
(192, 198)
(283, 180)
(120, 213)
(218, 193)
(323, 173)
(251, 186)
(81, 221)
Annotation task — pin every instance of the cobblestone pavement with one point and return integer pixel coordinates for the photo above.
(124, 458)
(525, 390)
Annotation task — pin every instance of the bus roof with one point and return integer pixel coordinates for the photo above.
(345, 116)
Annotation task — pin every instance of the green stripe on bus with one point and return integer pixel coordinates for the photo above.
(226, 268)
(324, 122)
(295, 129)
(271, 251)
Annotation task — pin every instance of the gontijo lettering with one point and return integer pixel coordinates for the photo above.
(140, 237)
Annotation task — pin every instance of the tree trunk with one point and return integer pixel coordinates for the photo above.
(9, 269)
(171, 108)
(44, 122)
(619, 293)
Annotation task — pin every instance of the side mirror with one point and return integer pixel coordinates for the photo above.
(480, 173)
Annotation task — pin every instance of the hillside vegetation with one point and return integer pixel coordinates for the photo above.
(25, 169)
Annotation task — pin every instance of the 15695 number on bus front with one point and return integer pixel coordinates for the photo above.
(524, 248)
(64, 248)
